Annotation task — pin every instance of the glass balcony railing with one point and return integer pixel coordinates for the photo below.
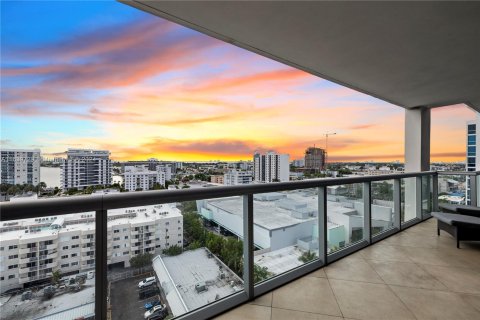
(194, 253)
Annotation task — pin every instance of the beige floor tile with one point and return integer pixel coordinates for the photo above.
(457, 279)
(308, 294)
(406, 274)
(352, 269)
(410, 240)
(436, 256)
(320, 273)
(247, 311)
(360, 300)
(264, 300)
(429, 304)
(472, 299)
(385, 253)
(283, 314)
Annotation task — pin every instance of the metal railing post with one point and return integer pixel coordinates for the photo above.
(248, 246)
(397, 204)
(418, 198)
(101, 264)
(322, 224)
(367, 210)
(435, 192)
(473, 190)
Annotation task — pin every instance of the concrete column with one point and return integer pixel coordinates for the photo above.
(417, 139)
(417, 157)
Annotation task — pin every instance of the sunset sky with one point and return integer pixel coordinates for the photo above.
(104, 75)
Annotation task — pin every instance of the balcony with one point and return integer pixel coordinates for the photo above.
(411, 275)
(395, 249)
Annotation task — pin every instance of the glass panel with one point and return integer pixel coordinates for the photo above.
(452, 189)
(179, 256)
(48, 267)
(382, 206)
(285, 231)
(345, 219)
(409, 198)
(427, 204)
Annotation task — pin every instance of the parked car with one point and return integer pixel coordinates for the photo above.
(148, 292)
(154, 311)
(90, 274)
(149, 305)
(146, 282)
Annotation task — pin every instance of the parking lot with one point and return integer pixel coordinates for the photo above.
(125, 304)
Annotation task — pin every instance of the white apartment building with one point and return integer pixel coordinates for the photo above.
(140, 178)
(271, 167)
(20, 166)
(86, 167)
(31, 249)
(236, 177)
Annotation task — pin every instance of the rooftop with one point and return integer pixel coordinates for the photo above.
(190, 269)
(411, 275)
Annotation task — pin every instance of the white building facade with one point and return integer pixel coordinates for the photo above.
(236, 177)
(31, 249)
(271, 167)
(140, 178)
(86, 167)
(20, 166)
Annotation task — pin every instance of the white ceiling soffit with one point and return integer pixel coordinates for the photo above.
(408, 53)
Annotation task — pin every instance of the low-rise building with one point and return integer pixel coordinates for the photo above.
(31, 249)
(141, 178)
(236, 177)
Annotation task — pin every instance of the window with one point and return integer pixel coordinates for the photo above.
(13, 266)
(116, 239)
(12, 276)
(65, 248)
(75, 237)
(167, 223)
(66, 265)
(116, 247)
(65, 256)
(2, 278)
(125, 253)
(471, 140)
(15, 256)
(12, 247)
(75, 246)
(471, 151)
(73, 255)
(179, 241)
(116, 231)
(472, 129)
(74, 263)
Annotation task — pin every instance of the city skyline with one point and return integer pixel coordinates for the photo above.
(102, 75)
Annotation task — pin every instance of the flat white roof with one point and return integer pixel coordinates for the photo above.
(280, 261)
(189, 269)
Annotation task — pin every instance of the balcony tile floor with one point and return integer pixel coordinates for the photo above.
(411, 275)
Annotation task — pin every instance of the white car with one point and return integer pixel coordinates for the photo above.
(154, 310)
(146, 282)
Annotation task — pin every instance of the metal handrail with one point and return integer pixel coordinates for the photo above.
(67, 205)
(458, 173)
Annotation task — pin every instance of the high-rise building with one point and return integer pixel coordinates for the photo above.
(236, 177)
(315, 158)
(141, 178)
(20, 166)
(473, 150)
(271, 167)
(86, 167)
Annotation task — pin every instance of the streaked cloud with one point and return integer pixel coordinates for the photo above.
(149, 88)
